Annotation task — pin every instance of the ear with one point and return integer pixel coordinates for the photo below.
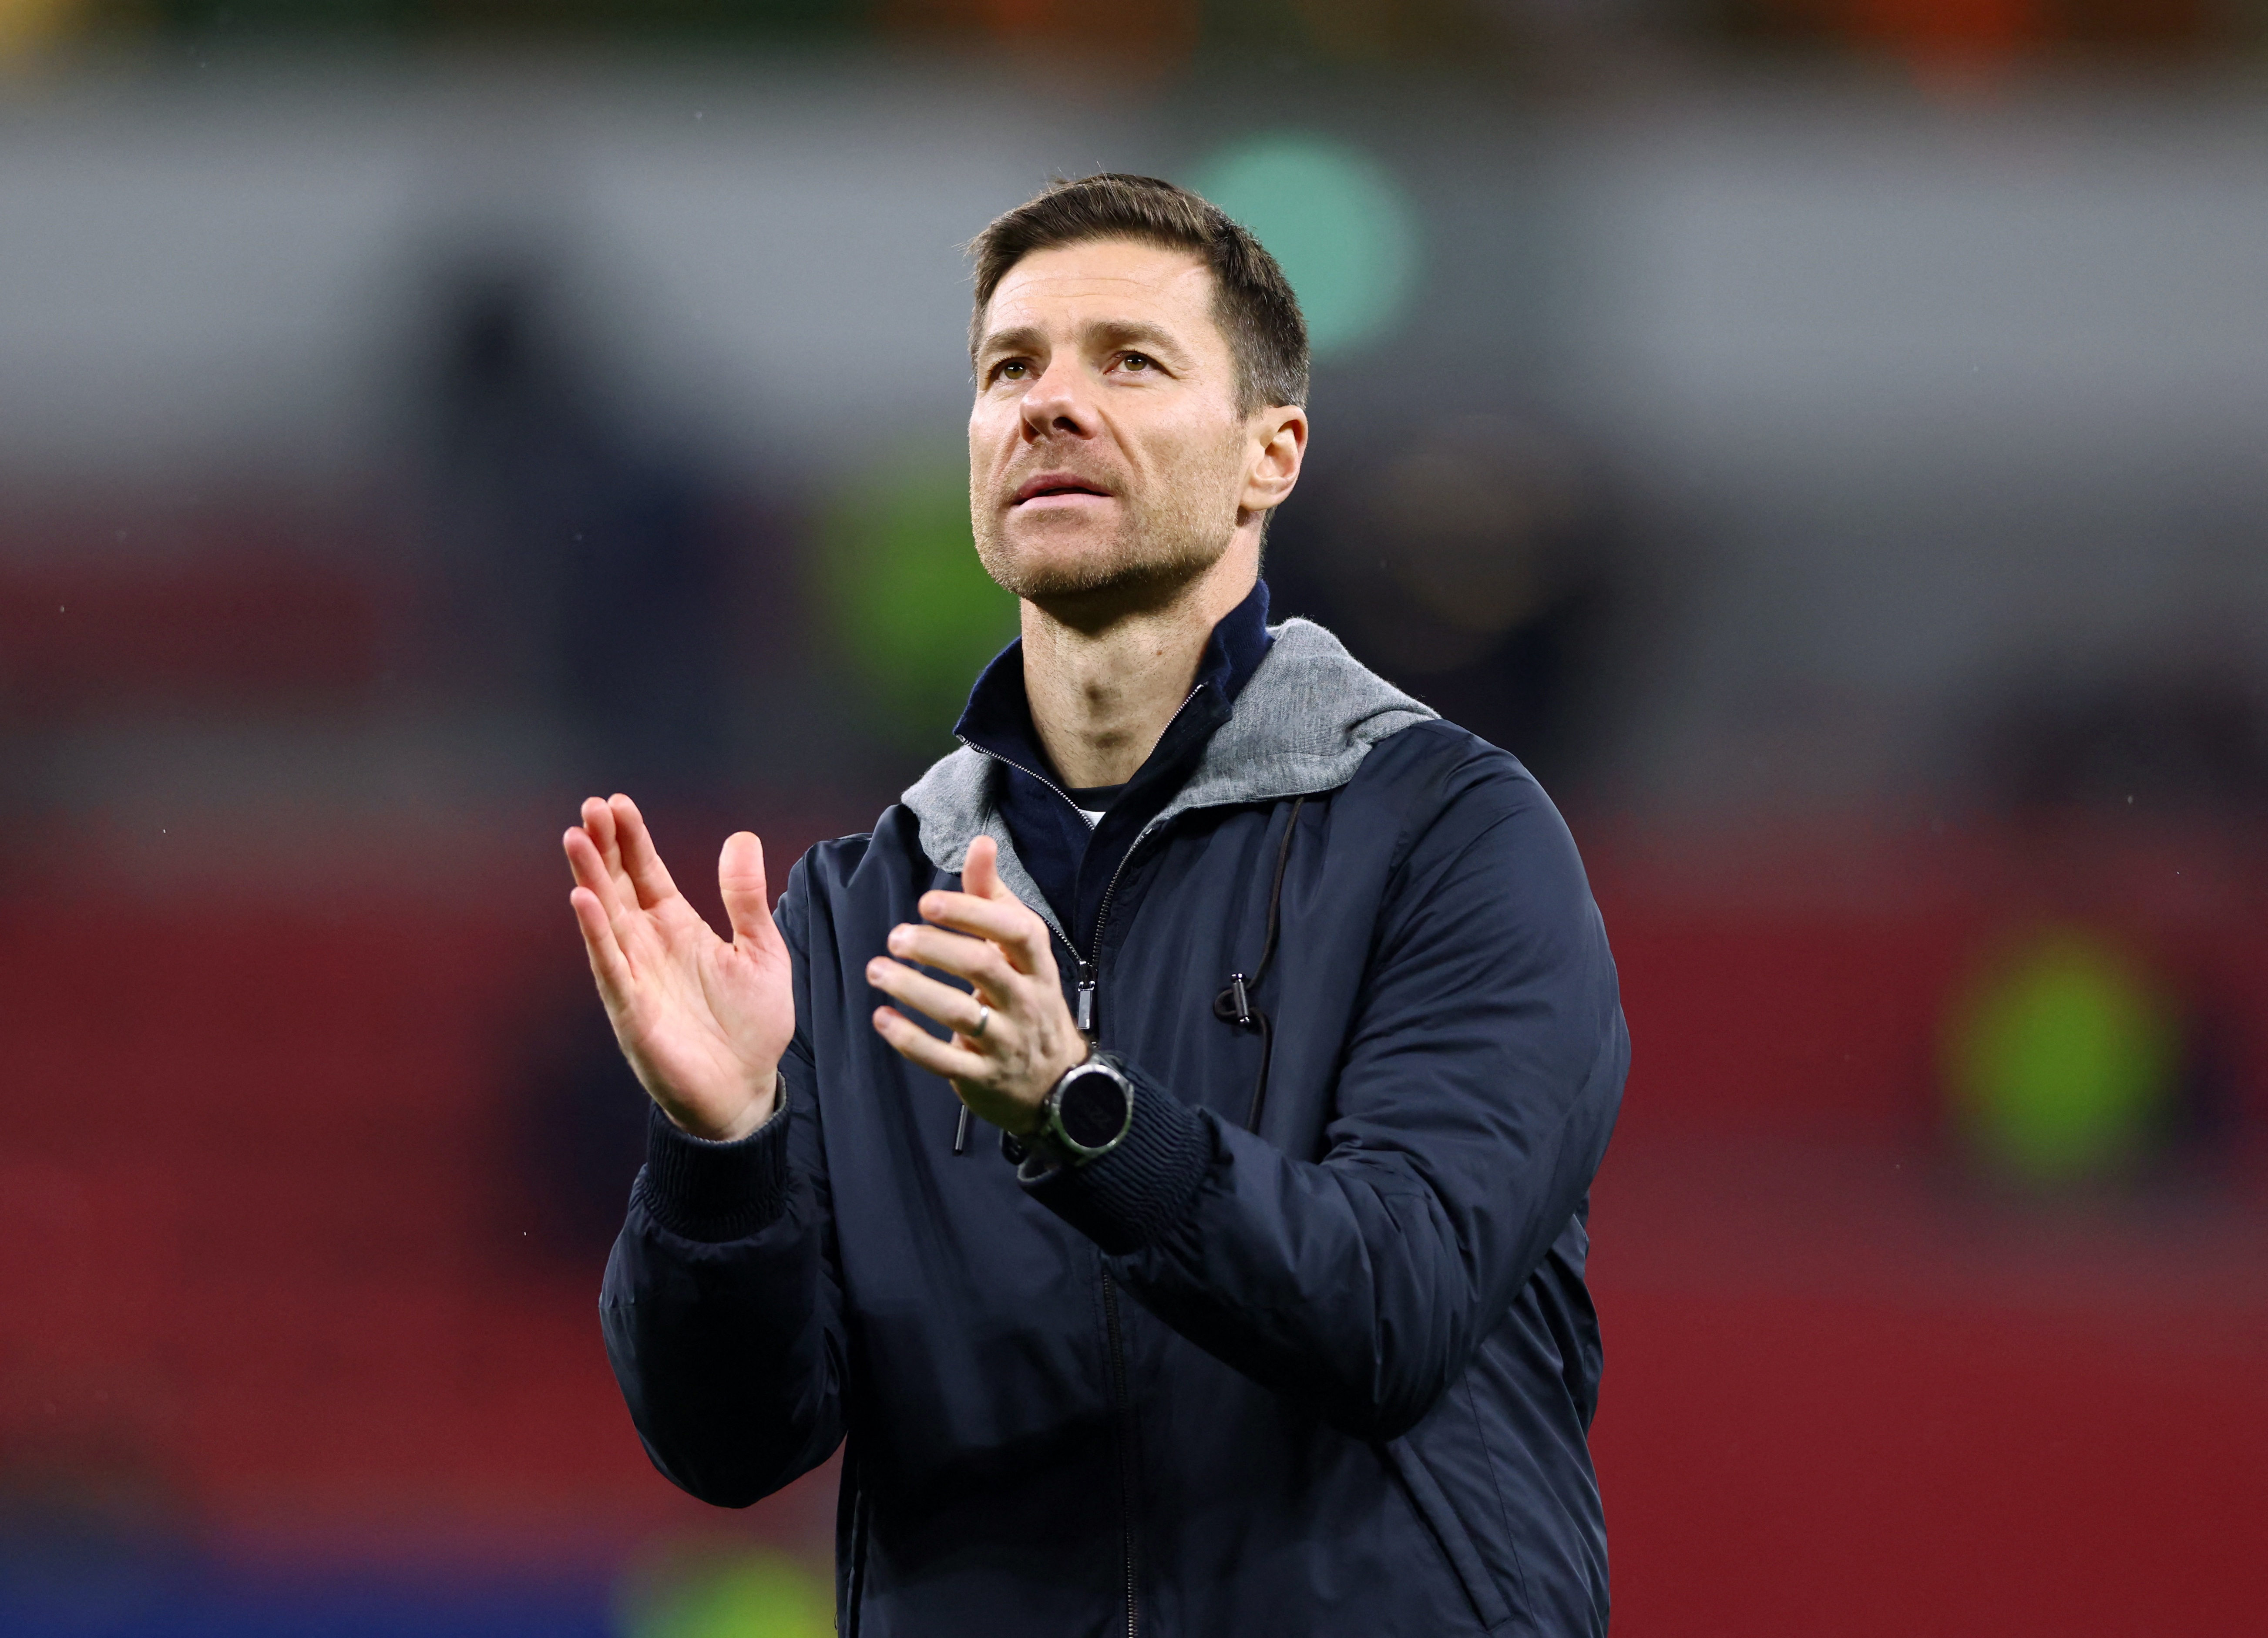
(1278, 443)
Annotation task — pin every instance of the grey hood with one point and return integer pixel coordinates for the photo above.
(1302, 725)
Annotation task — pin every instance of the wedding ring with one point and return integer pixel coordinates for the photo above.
(984, 1017)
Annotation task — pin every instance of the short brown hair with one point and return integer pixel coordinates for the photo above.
(1252, 300)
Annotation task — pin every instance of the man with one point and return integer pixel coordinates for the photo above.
(1288, 1000)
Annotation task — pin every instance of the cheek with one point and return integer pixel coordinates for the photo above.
(990, 424)
(1195, 459)
(1222, 456)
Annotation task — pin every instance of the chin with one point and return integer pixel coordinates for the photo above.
(1055, 561)
(1066, 560)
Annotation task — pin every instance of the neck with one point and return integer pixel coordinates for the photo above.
(1103, 681)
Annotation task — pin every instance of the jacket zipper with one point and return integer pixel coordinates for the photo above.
(1121, 1401)
(1089, 973)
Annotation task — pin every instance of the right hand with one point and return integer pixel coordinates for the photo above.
(703, 1023)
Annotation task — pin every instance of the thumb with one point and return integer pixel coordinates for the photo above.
(740, 880)
(980, 872)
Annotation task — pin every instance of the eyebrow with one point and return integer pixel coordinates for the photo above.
(1030, 339)
(1015, 338)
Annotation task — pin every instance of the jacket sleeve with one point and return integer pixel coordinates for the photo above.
(1480, 1081)
(722, 1305)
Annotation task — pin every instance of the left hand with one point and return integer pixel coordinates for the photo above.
(1004, 1062)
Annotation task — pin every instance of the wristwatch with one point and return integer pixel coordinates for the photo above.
(1086, 1114)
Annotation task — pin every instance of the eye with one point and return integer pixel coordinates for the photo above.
(1012, 369)
(1137, 361)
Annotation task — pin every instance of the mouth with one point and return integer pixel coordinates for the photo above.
(1057, 485)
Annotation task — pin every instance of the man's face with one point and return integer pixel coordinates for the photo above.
(1106, 449)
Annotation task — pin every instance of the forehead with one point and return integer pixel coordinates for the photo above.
(1071, 286)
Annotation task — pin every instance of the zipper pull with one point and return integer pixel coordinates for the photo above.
(1087, 997)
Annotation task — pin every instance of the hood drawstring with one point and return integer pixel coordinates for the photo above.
(1233, 1005)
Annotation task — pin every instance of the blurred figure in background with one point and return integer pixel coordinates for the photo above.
(587, 573)
(1478, 562)
(2099, 1044)
(589, 589)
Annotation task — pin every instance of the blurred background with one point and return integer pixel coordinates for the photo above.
(1827, 438)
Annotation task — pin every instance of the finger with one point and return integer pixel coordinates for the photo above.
(740, 880)
(1011, 926)
(591, 873)
(917, 1046)
(980, 872)
(608, 965)
(599, 820)
(646, 871)
(632, 926)
(607, 839)
(977, 960)
(955, 1009)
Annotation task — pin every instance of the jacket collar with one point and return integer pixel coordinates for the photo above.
(997, 719)
(1303, 722)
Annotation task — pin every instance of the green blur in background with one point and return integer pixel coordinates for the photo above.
(741, 1595)
(1337, 222)
(914, 614)
(2062, 1060)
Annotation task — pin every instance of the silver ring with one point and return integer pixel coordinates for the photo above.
(984, 1017)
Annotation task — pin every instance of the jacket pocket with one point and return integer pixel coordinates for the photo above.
(1487, 1598)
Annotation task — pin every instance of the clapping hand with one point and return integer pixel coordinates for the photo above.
(1012, 1035)
(703, 1022)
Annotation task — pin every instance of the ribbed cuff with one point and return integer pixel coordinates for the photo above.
(715, 1191)
(1141, 1189)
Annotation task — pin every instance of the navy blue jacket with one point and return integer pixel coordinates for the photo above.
(1331, 1376)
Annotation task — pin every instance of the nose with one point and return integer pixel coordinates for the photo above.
(1058, 403)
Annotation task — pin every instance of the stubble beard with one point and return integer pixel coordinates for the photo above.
(1155, 553)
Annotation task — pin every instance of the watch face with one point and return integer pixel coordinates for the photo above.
(1092, 1109)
